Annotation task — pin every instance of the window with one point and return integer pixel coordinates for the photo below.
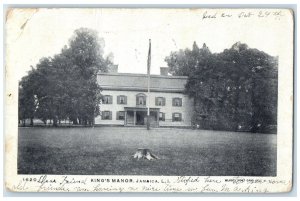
(177, 102)
(107, 99)
(120, 115)
(161, 116)
(160, 101)
(106, 115)
(122, 100)
(141, 99)
(176, 117)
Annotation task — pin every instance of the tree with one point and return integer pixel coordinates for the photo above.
(254, 74)
(65, 86)
(86, 51)
(184, 62)
(26, 104)
(233, 90)
(45, 87)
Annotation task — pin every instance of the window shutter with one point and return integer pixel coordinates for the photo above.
(118, 99)
(137, 100)
(164, 102)
(180, 117)
(163, 116)
(110, 115)
(173, 116)
(125, 100)
(102, 115)
(173, 101)
(117, 117)
(156, 101)
(180, 102)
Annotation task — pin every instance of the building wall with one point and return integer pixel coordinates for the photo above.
(186, 109)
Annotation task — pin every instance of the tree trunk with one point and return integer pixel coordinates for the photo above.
(254, 112)
(92, 122)
(236, 117)
(55, 122)
(74, 120)
(31, 121)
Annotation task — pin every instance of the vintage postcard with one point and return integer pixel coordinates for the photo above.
(149, 100)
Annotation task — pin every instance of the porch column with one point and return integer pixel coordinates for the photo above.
(157, 117)
(134, 117)
(125, 118)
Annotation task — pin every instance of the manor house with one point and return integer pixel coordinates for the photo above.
(125, 99)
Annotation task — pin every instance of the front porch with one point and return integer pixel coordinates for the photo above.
(137, 116)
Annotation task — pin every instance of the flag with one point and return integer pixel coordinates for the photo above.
(149, 59)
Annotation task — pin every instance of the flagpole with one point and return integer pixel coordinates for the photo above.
(148, 75)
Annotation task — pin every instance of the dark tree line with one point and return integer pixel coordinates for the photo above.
(65, 86)
(232, 90)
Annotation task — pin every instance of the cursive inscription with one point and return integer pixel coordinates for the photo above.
(259, 14)
(206, 184)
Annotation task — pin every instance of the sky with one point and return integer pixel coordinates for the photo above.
(32, 34)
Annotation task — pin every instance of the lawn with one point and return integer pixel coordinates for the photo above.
(109, 150)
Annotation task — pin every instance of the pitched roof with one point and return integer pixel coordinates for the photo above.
(138, 82)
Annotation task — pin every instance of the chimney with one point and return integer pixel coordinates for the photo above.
(164, 71)
(113, 68)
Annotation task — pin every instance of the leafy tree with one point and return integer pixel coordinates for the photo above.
(43, 83)
(184, 62)
(86, 51)
(233, 90)
(254, 74)
(65, 86)
(26, 102)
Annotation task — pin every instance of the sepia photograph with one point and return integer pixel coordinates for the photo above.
(185, 93)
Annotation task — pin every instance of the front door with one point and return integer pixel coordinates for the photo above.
(140, 117)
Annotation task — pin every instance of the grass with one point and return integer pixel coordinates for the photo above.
(109, 150)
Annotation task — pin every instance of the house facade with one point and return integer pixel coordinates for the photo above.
(125, 100)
